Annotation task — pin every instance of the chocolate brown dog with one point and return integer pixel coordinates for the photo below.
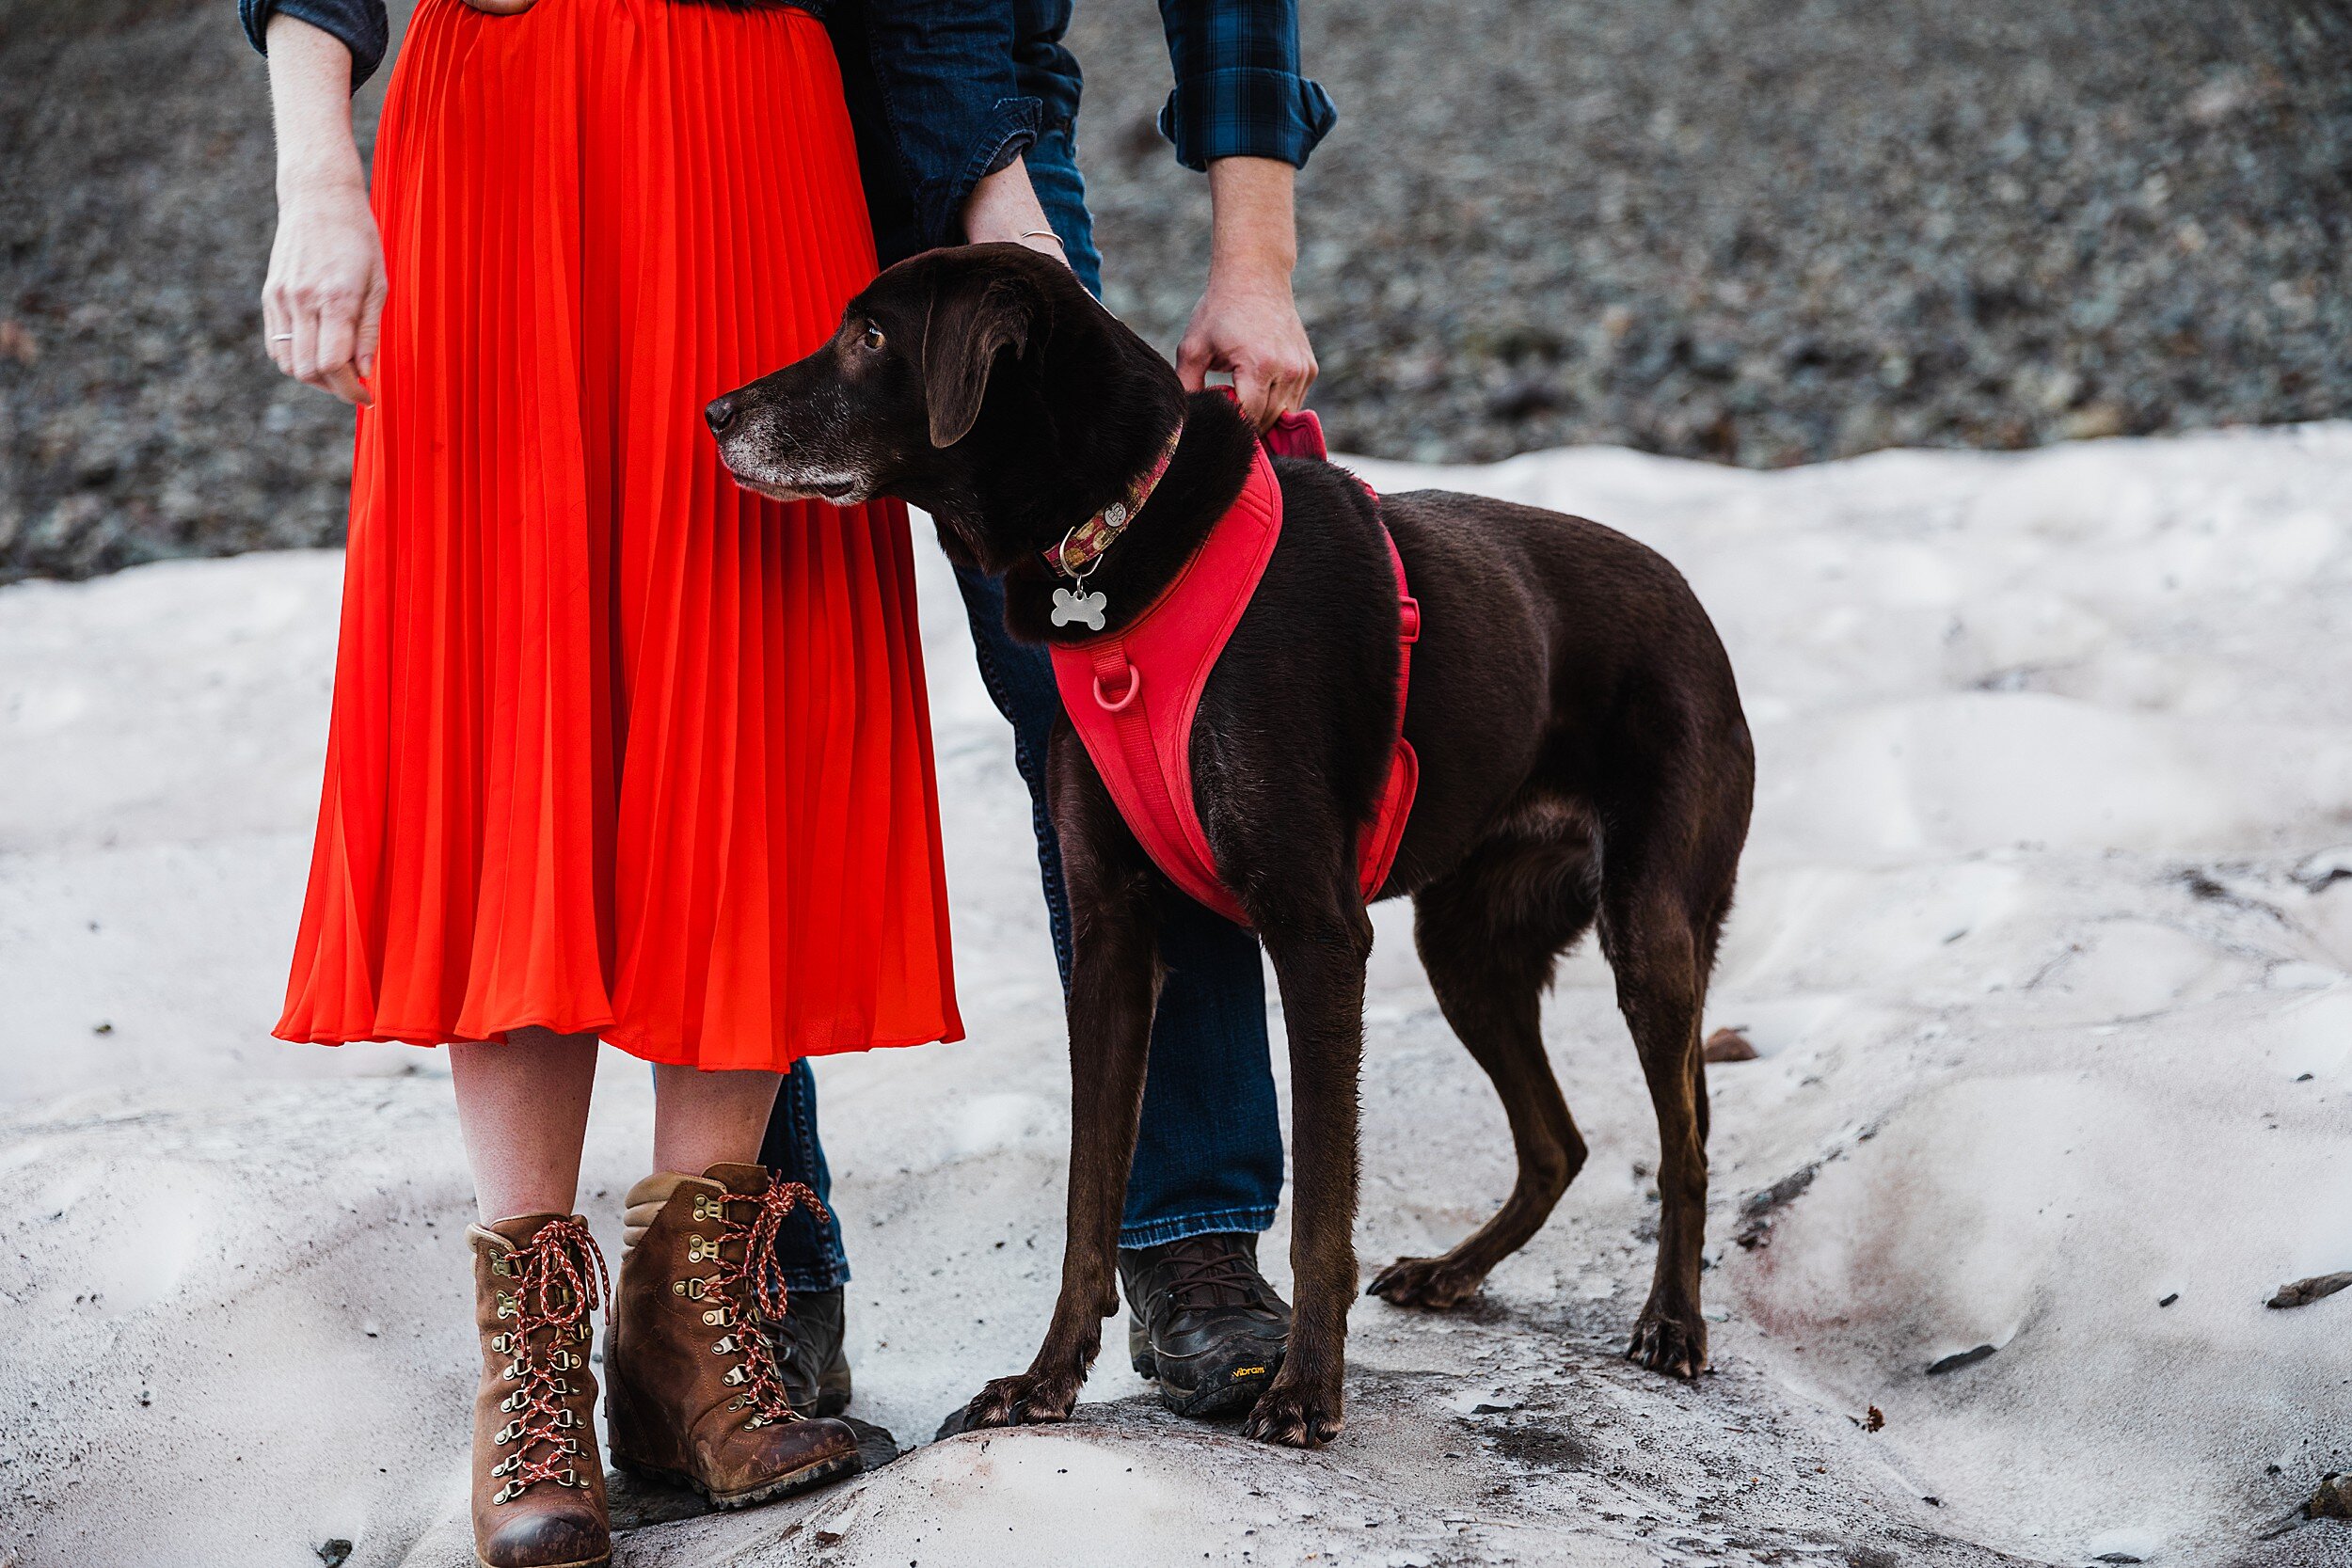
(1584, 762)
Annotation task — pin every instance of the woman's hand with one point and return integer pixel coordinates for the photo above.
(324, 298)
(325, 295)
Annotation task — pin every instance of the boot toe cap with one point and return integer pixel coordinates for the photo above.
(548, 1538)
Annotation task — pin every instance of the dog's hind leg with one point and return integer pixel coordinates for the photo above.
(1659, 950)
(1113, 986)
(1489, 935)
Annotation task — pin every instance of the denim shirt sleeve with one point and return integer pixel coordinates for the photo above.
(359, 23)
(946, 85)
(1238, 91)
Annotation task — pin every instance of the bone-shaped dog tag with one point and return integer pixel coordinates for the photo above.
(1069, 605)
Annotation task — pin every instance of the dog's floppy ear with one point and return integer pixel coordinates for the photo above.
(972, 321)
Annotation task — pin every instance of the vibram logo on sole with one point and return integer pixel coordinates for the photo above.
(1248, 1372)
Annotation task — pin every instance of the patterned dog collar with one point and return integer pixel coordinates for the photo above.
(1084, 544)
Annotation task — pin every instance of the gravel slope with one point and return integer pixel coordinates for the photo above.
(1771, 232)
(1744, 230)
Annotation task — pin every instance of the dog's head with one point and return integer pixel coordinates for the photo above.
(982, 384)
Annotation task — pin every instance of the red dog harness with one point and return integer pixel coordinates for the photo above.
(1132, 694)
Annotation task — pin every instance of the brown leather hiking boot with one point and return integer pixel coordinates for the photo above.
(538, 1486)
(693, 1391)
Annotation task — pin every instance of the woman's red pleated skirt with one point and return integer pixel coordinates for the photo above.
(616, 746)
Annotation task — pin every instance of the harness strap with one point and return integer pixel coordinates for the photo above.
(1139, 733)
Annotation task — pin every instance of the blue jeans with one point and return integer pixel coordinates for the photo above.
(1209, 1153)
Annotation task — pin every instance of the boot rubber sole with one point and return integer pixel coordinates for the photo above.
(806, 1478)
(1225, 1386)
(604, 1561)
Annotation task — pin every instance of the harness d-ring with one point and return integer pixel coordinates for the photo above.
(1126, 698)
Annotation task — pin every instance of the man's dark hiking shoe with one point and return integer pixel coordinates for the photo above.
(1205, 1323)
(810, 1361)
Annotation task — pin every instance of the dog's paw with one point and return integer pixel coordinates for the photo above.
(1427, 1282)
(1028, 1399)
(1671, 1343)
(1294, 1415)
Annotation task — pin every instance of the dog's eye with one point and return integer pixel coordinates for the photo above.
(873, 335)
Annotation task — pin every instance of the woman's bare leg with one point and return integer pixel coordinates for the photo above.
(701, 1120)
(523, 1106)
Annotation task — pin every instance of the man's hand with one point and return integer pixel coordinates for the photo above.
(1004, 207)
(1246, 322)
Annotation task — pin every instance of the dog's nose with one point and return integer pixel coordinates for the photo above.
(720, 413)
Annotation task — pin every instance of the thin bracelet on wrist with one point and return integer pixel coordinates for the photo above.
(1045, 235)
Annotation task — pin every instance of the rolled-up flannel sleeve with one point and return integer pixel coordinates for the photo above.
(1238, 89)
(943, 71)
(361, 26)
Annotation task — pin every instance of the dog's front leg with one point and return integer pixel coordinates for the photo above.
(1113, 984)
(1319, 964)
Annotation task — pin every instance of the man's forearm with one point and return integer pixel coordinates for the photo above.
(1254, 234)
(1247, 322)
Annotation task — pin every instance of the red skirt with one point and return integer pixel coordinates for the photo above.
(617, 746)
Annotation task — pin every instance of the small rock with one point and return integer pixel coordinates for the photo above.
(334, 1553)
(1728, 1045)
(1757, 1209)
(2094, 422)
(1962, 1358)
(2171, 1299)
(2334, 1500)
(2302, 1292)
(2322, 869)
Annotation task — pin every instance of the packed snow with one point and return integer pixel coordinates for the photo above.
(2043, 943)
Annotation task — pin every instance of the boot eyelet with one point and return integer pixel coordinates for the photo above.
(722, 1346)
(736, 1378)
(716, 1317)
(503, 1344)
(698, 1250)
(506, 1305)
(514, 1369)
(508, 1493)
(564, 1418)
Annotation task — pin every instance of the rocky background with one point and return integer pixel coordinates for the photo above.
(1756, 230)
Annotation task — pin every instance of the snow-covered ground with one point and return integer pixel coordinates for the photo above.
(2043, 1008)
